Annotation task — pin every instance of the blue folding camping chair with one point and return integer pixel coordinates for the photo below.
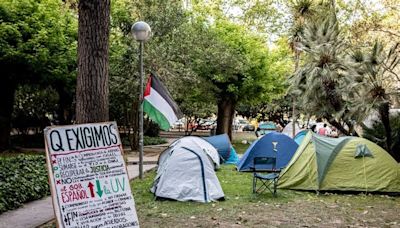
(267, 180)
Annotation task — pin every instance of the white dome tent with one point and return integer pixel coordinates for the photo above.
(288, 129)
(186, 172)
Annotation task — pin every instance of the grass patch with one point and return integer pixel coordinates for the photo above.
(238, 139)
(248, 136)
(238, 198)
(240, 147)
(243, 208)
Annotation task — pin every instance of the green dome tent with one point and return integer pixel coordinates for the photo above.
(344, 164)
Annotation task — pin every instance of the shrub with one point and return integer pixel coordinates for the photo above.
(28, 141)
(23, 178)
(153, 140)
(151, 129)
(377, 134)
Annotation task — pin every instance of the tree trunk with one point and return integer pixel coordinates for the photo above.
(384, 115)
(296, 67)
(92, 82)
(396, 147)
(64, 106)
(294, 119)
(7, 92)
(334, 97)
(351, 128)
(336, 124)
(226, 111)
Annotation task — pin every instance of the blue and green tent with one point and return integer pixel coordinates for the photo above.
(341, 164)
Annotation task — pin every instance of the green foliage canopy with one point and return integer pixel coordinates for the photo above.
(37, 40)
(37, 46)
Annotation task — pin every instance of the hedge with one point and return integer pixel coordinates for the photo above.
(147, 140)
(153, 140)
(23, 178)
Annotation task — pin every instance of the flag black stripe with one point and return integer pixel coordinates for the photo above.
(157, 85)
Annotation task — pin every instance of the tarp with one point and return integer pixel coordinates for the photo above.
(224, 148)
(267, 126)
(186, 172)
(344, 164)
(273, 144)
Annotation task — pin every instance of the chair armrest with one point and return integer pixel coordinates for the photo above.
(276, 170)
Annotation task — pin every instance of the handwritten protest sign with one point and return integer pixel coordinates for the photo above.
(88, 177)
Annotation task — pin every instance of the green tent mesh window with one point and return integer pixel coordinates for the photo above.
(363, 151)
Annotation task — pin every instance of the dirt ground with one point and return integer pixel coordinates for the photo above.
(338, 212)
(314, 212)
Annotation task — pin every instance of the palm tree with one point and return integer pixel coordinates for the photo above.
(306, 12)
(317, 81)
(302, 10)
(373, 81)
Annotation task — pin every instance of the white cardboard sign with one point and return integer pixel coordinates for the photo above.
(88, 177)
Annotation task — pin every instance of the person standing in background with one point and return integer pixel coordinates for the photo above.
(323, 130)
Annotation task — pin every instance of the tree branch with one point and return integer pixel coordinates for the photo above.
(385, 31)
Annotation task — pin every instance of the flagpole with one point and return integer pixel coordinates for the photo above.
(141, 32)
(141, 112)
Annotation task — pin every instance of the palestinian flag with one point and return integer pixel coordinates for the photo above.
(159, 105)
